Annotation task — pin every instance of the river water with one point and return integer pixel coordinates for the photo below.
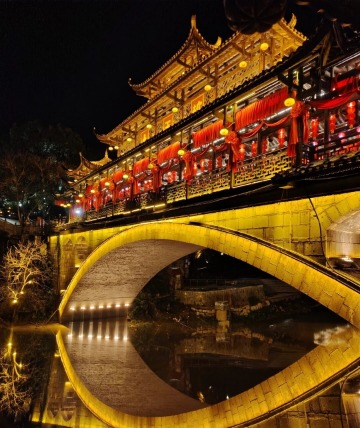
(158, 368)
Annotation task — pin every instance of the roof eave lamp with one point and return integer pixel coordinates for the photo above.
(174, 109)
(243, 64)
(207, 87)
(289, 102)
(181, 152)
(224, 132)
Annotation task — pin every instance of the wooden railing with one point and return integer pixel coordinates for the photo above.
(259, 169)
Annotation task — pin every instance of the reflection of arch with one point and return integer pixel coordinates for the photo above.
(343, 240)
(298, 271)
(313, 373)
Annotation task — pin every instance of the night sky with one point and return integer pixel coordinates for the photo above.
(69, 62)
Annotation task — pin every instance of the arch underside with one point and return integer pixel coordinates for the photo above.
(298, 380)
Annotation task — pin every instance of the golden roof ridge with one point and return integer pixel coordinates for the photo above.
(194, 34)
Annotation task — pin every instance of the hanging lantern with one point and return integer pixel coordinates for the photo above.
(125, 176)
(207, 88)
(281, 137)
(289, 102)
(253, 149)
(242, 152)
(264, 46)
(248, 17)
(81, 195)
(107, 183)
(149, 126)
(224, 131)
(314, 126)
(350, 108)
(116, 147)
(181, 152)
(243, 64)
(174, 109)
(332, 123)
(111, 148)
(92, 191)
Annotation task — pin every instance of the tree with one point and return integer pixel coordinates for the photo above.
(14, 389)
(33, 163)
(25, 357)
(56, 142)
(28, 183)
(27, 277)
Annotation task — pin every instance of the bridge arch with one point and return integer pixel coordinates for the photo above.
(169, 241)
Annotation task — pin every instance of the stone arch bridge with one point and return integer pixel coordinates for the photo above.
(296, 241)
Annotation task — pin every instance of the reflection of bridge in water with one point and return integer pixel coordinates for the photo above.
(107, 374)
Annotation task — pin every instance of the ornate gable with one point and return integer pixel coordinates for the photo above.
(194, 50)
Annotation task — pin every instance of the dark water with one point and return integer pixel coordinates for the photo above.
(172, 365)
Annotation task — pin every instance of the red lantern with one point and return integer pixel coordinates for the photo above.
(281, 137)
(332, 123)
(253, 149)
(350, 107)
(314, 125)
(242, 152)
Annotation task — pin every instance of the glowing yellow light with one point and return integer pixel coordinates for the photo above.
(118, 305)
(101, 306)
(129, 139)
(81, 195)
(68, 205)
(207, 88)
(111, 148)
(9, 344)
(264, 46)
(174, 109)
(181, 152)
(150, 166)
(92, 191)
(116, 147)
(72, 309)
(243, 64)
(125, 176)
(77, 201)
(82, 308)
(108, 306)
(149, 126)
(107, 183)
(126, 304)
(224, 131)
(289, 102)
(92, 307)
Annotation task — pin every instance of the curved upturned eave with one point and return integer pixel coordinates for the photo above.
(281, 24)
(194, 34)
